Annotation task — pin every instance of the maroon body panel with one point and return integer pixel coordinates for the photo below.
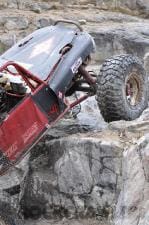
(21, 128)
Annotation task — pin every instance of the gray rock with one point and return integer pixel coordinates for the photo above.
(136, 127)
(13, 5)
(6, 42)
(19, 23)
(10, 25)
(45, 6)
(121, 40)
(89, 112)
(36, 8)
(71, 170)
(13, 183)
(43, 22)
(143, 6)
(133, 6)
(132, 207)
(3, 4)
(22, 23)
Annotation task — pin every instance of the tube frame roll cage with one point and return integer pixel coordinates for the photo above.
(27, 76)
(59, 107)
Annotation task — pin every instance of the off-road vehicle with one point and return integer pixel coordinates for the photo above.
(37, 76)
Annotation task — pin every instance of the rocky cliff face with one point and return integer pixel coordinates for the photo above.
(132, 7)
(135, 7)
(114, 33)
(77, 170)
(132, 206)
(84, 167)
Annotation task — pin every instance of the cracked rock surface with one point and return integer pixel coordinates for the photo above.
(77, 175)
(133, 203)
(77, 171)
(101, 174)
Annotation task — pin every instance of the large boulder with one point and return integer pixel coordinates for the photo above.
(76, 175)
(120, 40)
(133, 203)
(12, 184)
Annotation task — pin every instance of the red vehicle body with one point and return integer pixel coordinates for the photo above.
(26, 122)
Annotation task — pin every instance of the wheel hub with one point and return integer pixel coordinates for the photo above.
(133, 92)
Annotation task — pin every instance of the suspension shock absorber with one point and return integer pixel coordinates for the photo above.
(89, 79)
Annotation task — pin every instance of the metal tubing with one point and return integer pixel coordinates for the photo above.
(86, 75)
(78, 101)
(69, 22)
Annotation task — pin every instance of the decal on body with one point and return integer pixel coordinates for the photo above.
(76, 65)
(30, 132)
(12, 149)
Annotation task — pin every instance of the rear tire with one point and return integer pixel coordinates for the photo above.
(122, 88)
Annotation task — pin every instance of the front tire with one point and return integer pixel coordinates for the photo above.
(122, 88)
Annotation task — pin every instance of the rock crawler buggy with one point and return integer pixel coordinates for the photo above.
(42, 70)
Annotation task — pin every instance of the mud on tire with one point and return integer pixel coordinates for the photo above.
(122, 88)
(9, 216)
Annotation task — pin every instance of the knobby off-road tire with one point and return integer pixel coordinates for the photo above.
(122, 88)
(8, 216)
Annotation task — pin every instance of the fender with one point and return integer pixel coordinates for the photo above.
(82, 46)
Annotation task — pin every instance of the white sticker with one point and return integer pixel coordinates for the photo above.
(76, 65)
(60, 95)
